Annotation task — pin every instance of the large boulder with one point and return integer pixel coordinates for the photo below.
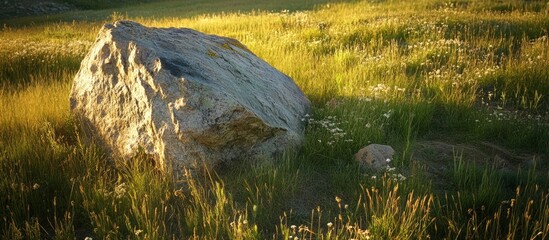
(184, 97)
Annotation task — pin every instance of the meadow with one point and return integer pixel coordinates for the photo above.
(459, 88)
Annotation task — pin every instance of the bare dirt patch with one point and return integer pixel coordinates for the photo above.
(438, 157)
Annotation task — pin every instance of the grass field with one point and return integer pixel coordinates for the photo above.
(459, 88)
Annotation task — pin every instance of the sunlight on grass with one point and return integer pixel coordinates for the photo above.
(35, 105)
(390, 72)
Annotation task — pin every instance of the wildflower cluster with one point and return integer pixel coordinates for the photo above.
(300, 232)
(120, 190)
(118, 193)
(500, 114)
(451, 7)
(337, 228)
(380, 91)
(390, 172)
(293, 19)
(331, 124)
(373, 59)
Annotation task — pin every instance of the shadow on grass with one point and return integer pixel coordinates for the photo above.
(165, 9)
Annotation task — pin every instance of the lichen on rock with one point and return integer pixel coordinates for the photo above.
(161, 91)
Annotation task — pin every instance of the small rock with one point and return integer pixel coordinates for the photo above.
(375, 156)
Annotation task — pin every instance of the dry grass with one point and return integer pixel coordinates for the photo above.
(376, 71)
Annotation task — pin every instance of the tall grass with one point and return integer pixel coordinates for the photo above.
(390, 72)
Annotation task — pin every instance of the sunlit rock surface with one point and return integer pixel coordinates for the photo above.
(184, 97)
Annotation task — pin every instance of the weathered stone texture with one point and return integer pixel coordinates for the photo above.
(184, 97)
(374, 156)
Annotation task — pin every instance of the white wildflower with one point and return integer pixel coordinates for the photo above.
(388, 114)
(120, 190)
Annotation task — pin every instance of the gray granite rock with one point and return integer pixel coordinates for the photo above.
(184, 97)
